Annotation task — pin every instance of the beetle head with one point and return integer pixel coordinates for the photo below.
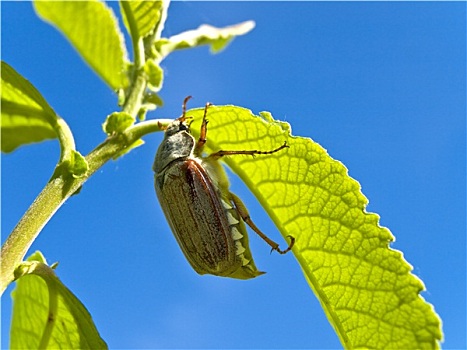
(178, 125)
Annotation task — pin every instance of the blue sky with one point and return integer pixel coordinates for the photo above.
(381, 86)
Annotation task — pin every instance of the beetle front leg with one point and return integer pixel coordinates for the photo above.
(185, 101)
(221, 153)
(243, 213)
(203, 132)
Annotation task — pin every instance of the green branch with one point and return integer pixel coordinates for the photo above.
(57, 191)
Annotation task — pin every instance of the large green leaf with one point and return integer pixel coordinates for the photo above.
(93, 30)
(366, 288)
(46, 315)
(26, 115)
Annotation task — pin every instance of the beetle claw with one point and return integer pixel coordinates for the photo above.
(289, 248)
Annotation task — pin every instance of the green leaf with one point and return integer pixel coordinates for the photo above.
(46, 314)
(366, 288)
(155, 75)
(93, 30)
(145, 14)
(151, 100)
(78, 166)
(217, 38)
(26, 117)
(117, 122)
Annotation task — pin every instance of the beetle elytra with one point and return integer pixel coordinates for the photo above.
(207, 219)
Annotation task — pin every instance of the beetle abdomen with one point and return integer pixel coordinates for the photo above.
(201, 222)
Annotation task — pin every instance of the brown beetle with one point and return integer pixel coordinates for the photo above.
(205, 217)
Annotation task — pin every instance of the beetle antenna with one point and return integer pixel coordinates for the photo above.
(183, 117)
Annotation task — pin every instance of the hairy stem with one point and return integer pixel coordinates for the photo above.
(56, 192)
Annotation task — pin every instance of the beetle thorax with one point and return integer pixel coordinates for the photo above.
(177, 144)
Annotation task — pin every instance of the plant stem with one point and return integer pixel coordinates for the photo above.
(133, 100)
(56, 192)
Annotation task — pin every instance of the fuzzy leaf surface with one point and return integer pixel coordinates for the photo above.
(46, 314)
(26, 115)
(366, 288)
(93, 30)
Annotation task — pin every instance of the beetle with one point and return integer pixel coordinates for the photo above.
(207, 219)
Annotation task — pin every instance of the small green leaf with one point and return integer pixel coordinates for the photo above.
(217, 38)
(366, 288)
(25, 115)
(46, 314)
(78, 165)
(146, 15)
(155, 75)
(117, 122)
(92, 28)
(153, 99)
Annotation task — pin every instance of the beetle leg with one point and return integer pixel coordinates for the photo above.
(203, 132)
(221, 153)
(183, 117)
(243, 213)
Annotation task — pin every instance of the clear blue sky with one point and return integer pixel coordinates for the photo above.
(381, 86)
